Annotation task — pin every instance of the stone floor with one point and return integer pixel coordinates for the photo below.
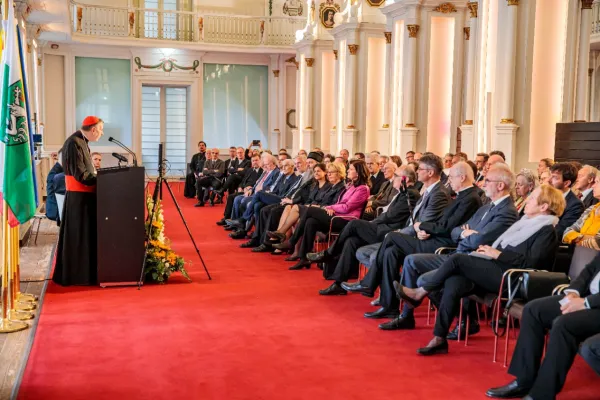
(35, 263)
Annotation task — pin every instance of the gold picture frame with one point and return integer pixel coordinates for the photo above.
(375, 3)
(327, 12)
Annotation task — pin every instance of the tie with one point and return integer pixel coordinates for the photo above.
(580, 195)
(418, 207)
(261, 181)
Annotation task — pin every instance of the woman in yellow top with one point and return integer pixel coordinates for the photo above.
(586, 231)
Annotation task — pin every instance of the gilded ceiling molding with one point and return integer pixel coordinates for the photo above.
(309, 62)
(335, 54)
(467, 31)
(388, 37)
(353, 49)
(167, 65)
(446, 8)
(413, 30)
(292, 60)
(473, 6)
(513, 3)
(276, 73)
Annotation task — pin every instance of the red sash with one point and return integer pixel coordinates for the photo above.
(75, 186)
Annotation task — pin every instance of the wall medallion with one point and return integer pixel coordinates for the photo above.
(327, 11)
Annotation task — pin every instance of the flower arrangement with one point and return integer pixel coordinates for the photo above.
(161, 260)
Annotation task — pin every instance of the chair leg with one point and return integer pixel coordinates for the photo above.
(468, 324)
(429, 313)
(460, 314)
(509, 322)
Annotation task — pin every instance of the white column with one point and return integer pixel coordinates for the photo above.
(468, 142)
(383, 137)
(298, 122)
(592, 86)
(585, 30)
(350, 85)
(309, 105)
(410, 83)
(333, 138)
(275, 100)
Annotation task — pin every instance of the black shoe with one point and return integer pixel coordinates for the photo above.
(376, 302)
(291, 258)
(319, 257)
(249, 244)
(261, 249)
(238, 223)
(441, 348)
(333, 290)
(300, 264)
(199, 204)
(402, 296)
(276, 235)
(221, 222)
(284, 245)
(382, 313)
(398, 323)
(473, 329)
(239, 234)
(511, 391)
(229, 228)
(357, 288)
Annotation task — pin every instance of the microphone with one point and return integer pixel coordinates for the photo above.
(121, 145)
(120, 157)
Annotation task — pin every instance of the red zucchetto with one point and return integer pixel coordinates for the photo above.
(90, 120)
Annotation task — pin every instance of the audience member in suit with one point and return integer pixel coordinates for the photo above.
(590, 351)
(562, 177)
(480, 161)
(570, 318)
(493, 159)
(321, 195)
(428, 238)
(524, 186)
(345, 154)
(585, 231)
(51, 206)
(266, 180)
(376, 176)
(360, 232)
(529, 243)
(212, 173)
(483, 228)
(286, 185)
(480, 192)
(251, 176)
(385, 195)
(349, 206)
(196, 167)
(235, 172)
(232, 158)
(270, 215)
(585, 180)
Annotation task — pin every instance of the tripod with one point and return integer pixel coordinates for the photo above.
(158, 190)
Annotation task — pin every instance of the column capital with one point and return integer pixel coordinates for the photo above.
(590, 71)
(473, 6)
(335, 54)
(586, 4)
(413, 30)
(513, 2)
(467, 31)
(309, 62)
(353, 49)
(388, 37)
(276, 73)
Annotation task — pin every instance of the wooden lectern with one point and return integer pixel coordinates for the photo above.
(121, 233)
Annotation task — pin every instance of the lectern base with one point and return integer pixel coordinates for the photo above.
(110, 284)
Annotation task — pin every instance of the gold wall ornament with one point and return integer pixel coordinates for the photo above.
(353, 49)
(467, 31)
(586, 4)
(388, 37)
(79, 17)
(350, 127)
(375, 3)
(200, 25)
(413, 30)
(309, 62)
(292, 60)
(335, 54)
(167, 65)
(39, 62)
(131, 22)
(513, 2)
(507, 121)
(446, 8)
(29, 48)
(410, 125)
(473, 5)
(469, 122)
(308, 127)
(276, 73)
(385, 126)
(327, 11)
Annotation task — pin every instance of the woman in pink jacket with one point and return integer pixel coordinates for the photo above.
(351, 203)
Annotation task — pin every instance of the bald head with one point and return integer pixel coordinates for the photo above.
(461, 176)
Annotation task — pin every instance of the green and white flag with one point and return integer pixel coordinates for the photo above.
(17, 183)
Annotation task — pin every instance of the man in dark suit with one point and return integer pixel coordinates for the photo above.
(231, 159)
(212, 173)
(250, 178)
(358, 233)
(428, 238)
(284, 187)
(570, 319)
(585, 180)
(483, 228)
(385, 195)
(375, 175)
(562, 177)
(51, 189)
(196, 167)
(235, 171)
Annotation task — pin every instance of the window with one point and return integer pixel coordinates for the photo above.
(164, 119)
(162, 20)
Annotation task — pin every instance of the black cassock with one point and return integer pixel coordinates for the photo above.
(196, 167)
(76, 257)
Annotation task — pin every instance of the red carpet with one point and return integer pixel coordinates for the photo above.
(257, 331)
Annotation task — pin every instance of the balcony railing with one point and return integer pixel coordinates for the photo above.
(595, 18)
(184, 26)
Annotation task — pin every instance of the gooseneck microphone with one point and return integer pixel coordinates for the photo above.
(120, 157)
(127, 149)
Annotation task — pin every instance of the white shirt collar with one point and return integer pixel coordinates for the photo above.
(430, 188)
(565, 194)
(500, 200)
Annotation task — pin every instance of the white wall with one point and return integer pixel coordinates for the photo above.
(53, 116)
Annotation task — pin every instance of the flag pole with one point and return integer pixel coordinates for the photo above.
(18, 311)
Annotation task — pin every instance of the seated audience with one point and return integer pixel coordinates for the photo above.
(376, 176)
(483, 228)
(250, 178)
(210, 177)
(397, 160)
(498, 153)
(359, 156)
(480, 161)
(360, 232)
(492, 160)
(448, 162)
(523, 188)
(329, 158)
(382, 161)
(563, 175)
(385, 195)
(544, 165)
(302, 152)
(428, 236)
(528, 244)
(409, 156)
(570, 319)
(196, 166)
(586, 177)
(417, 157)
(97, 160)
(350, 205)
(54, 186)
(459, 157)
(585, 231)
(590, 351)
(235, 169)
